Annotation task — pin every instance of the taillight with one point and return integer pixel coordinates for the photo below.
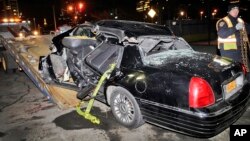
(200, 93)
(244, 69)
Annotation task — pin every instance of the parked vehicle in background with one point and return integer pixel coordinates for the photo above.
(11, 30)
(158, 77)
(60, 30)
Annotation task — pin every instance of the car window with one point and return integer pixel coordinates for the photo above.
(136, 28)
(162, 46)
(131, 57)
(108, 38)
(80, 31)
(153, 46)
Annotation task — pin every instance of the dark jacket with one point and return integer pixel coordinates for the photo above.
(224, 31)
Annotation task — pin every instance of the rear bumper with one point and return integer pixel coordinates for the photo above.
(196, 124)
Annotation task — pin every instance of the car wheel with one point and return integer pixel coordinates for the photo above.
(125, 108)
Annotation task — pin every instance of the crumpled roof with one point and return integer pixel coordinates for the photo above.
(124, 28)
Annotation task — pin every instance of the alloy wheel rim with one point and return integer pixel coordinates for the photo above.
(124, 109)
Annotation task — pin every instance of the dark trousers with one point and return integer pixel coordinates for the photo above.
(233, 54)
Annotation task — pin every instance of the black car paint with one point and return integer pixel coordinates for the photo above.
(169, 109)
(172, 78)
(171, 90)
(196, 123)
(162, 90)
(57, 40)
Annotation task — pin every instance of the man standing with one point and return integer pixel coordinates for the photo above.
(228, 30)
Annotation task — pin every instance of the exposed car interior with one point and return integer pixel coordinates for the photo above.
(152, 46)
(104, 55)
(79, 45)
(83, 31)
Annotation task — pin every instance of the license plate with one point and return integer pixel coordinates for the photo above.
(230, 86)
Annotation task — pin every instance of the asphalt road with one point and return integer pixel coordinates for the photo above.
(26, 115)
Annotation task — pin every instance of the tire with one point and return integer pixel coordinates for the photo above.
(125, 108)
(8, 63)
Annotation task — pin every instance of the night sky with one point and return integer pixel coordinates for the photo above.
(37, 8)
(40, 9)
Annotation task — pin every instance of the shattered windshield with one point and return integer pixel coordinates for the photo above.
(183, 57)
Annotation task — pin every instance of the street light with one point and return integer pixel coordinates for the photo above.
(75, 9)
(45, 22)
(201, 13)
(80, 6)
(213, 14)
(75, 17)
(70, 8)
(182, 13)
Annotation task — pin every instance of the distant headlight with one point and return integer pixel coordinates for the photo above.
(20, 34)
(35, 33)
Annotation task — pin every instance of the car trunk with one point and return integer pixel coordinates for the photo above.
(224, 76)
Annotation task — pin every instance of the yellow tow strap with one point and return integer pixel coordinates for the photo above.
(86, 114)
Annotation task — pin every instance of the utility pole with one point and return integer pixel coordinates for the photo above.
(209, 21)
(54, 16)
(34, 20)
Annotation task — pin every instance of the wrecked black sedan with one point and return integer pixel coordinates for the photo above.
(158, 77)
